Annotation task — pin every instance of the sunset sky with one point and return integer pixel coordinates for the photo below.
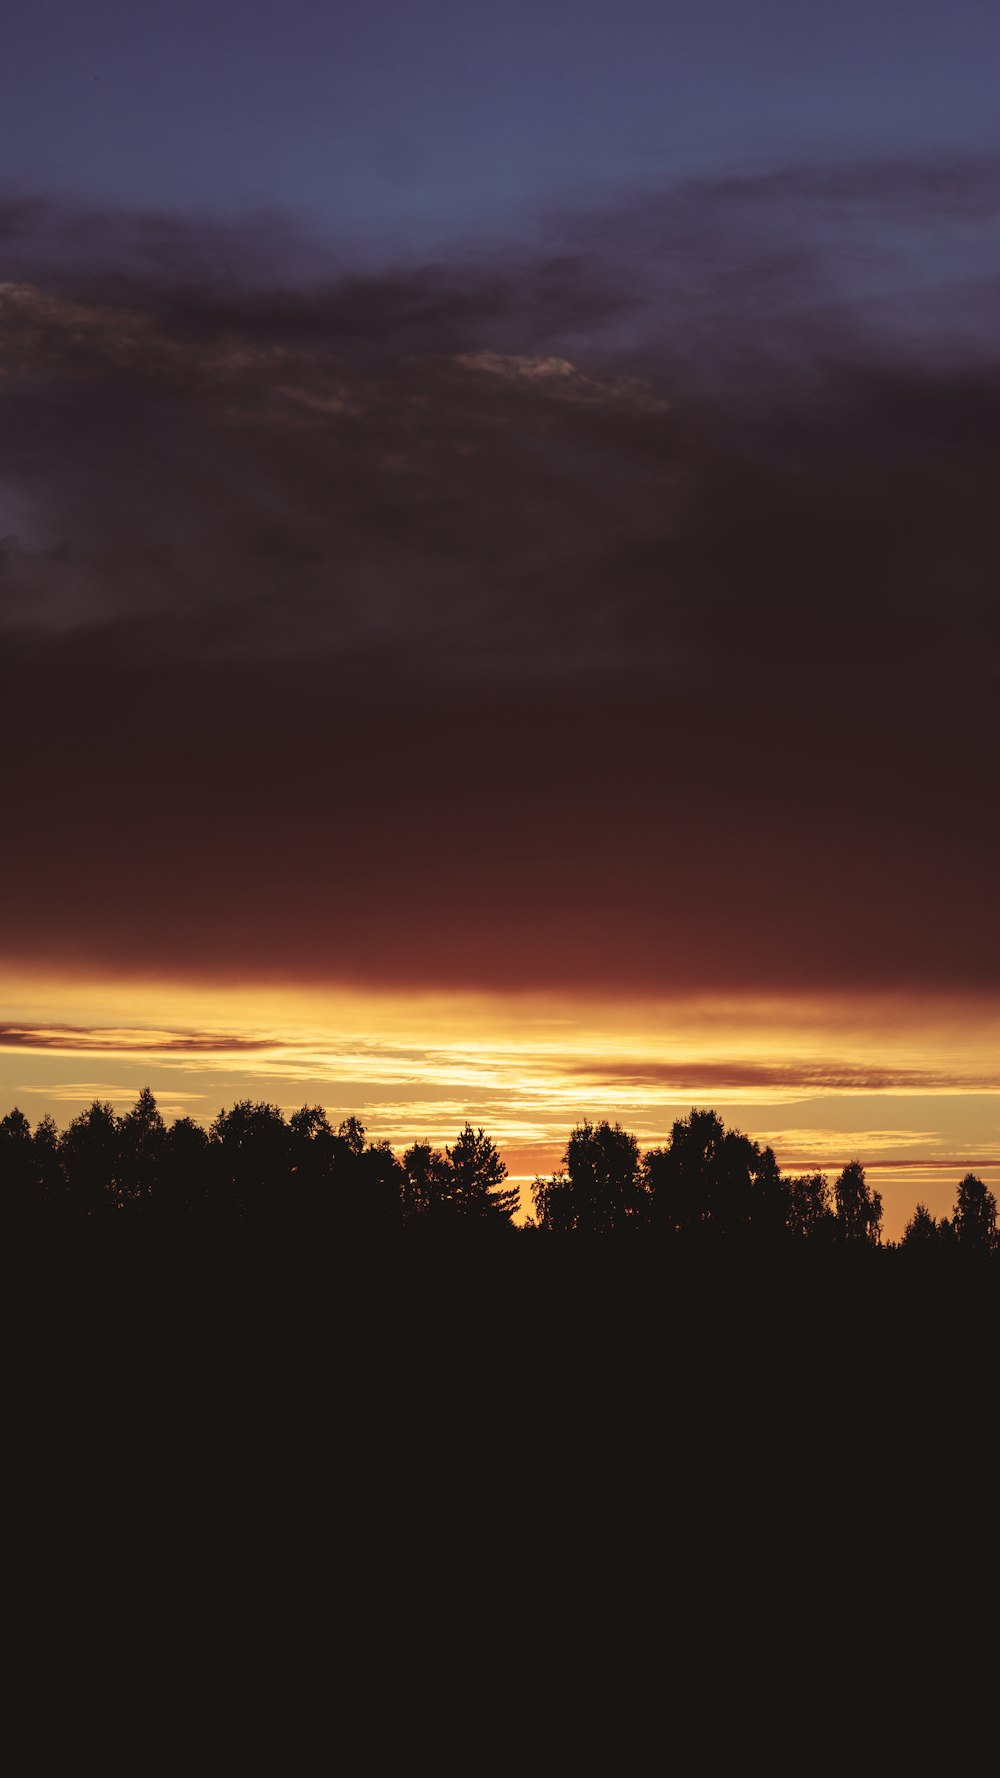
(499, 548)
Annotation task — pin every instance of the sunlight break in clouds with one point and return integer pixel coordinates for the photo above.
(530, 1067)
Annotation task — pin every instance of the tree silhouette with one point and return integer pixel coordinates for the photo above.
(709, 1185)
(142, 1141)
(554, 1204)
(90, 1155)
(185, 1185)
(361, 1184)
(311, 1154)
(921, 1233)
(859, 1210)
(975, 1216)
(766, 1217)
(810, 1207)
(17, 1168)
(474, 1190)
(681, 1176)
(49, 1172)
(251, 1161)
(380, 1180)
(427, 1187)
(352, 1133)
(602, 1189)
(713, 1183)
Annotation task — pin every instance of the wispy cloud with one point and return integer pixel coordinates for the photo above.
(84, 1092)
(806, 1078)
(122, 1040)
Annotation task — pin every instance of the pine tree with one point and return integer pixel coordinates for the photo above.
(477, 1174)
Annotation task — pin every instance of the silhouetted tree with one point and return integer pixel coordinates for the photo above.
(767, 1213)
(184, 1186)
(427, 1186)
(90, 1153)
(380, 1186)
(352, 1134)
(475, 1188)
(709, 1183)
(49, 1172)
(681, 1176)
(142, 1136)
(921, 1233)
(311, 1154)
(974, 1219)
(250, 1148)
(18, 1187)
(715, 1183)
(602, 1189)
(554, 1204)
(361, 1183)
(810, 1207)
(859, 1210)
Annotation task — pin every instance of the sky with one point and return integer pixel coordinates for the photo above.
(498, 579)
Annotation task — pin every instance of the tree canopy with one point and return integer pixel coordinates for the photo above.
(708, 1186)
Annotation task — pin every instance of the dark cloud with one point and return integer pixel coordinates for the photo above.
(808, 1077)
(90, 1038)
(619, 615)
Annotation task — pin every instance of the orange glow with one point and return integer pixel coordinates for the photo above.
(822, 1081)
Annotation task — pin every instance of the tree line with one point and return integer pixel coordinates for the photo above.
(707, 1185)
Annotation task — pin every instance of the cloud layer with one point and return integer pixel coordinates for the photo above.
(619, 615)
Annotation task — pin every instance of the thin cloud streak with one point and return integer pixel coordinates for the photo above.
(115, 1040)
(921, 1164)
(815, 1076)
(523, 1072)
(85, 1092)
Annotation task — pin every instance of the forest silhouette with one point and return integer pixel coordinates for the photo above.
(708, 1188)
